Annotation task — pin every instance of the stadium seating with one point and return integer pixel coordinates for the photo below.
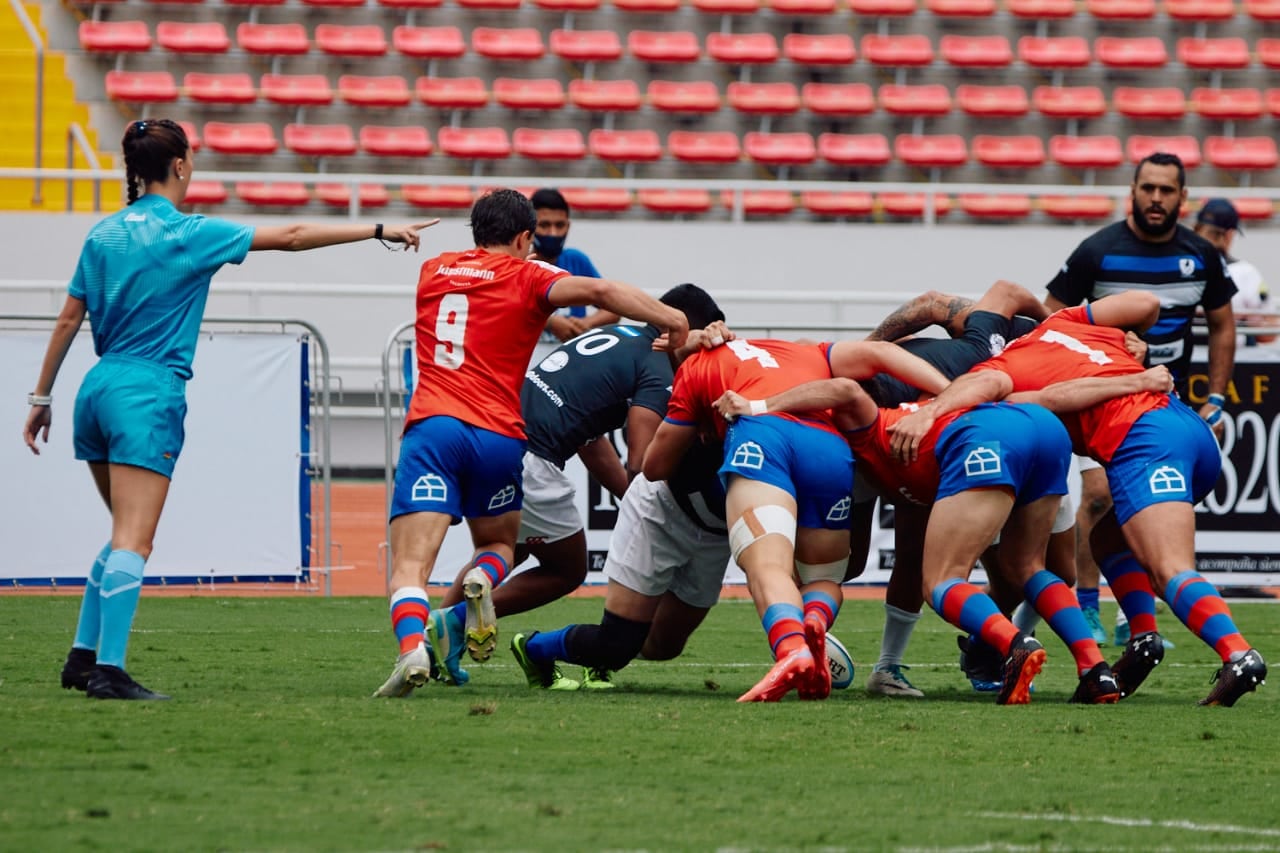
(931, 152)
(203, 37)
(1122, 10)
(205, 193)
(1001, 206)
(1227, 104)
(838, 203)
(961, 8)
(251, 138)
(272, 39)
(605, 95)
(763, 98)
(699, 96)
(513, 44)
(586, 45)
(395, 141)
(351, 41)
(819, 49)
(780, 149)
(1004, 152)
(1186, 147)
(339, 195)
(296, 89)
(1137, 52)
(1042, 10)
(542, 144)
(1218, 54)
(838, 99)
(1166, 103)
(1069, 102)
(1054, 52)
(428, 42)
(882, 8)
(743, 49)
(1253, 153)
(663, 47)
(675, 201)
(139, 87)
(931, 99)
(320, 140)
(438, 198)
(452, 93)
(273, 194)
(975, 51)
(115, 36)
(1078, 207)
(1086, 152)
(761, 202)
(536, 94)
(993, 101)
(361, 91)
(231, 88)
(474, 143)
(912, 205)
(693, 146)
(607, 199)
(861, 149)
(625, 146)
(897, 51)
(1200, 10)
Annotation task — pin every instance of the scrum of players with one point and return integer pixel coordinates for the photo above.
(772, 453)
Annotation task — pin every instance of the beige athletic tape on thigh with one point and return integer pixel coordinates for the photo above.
(833, 571)
(757, 523)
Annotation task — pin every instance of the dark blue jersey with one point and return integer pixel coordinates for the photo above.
(697, 488)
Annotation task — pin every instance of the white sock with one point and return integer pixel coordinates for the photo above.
(898, 625)
(1025, 618)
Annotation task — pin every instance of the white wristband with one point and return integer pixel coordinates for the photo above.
(759, 407)
(39, 399)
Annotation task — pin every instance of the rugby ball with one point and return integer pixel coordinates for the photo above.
(840, 664)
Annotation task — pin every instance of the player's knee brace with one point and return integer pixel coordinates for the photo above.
(612, 644)
(833, 571)
(757, 523)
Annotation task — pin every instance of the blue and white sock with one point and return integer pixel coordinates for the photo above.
(121, 587)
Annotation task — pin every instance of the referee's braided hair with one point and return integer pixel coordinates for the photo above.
(150, 147)
(696, 303)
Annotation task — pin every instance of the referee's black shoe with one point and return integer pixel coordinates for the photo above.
(78, 668)
(112, 682)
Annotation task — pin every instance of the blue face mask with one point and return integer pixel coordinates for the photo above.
(548, 246)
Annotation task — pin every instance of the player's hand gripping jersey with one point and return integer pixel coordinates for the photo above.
(479, 317)
(916, 481)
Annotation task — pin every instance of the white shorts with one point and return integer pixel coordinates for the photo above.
(1086, 463)
(1064, 520)
(657, 548)
(550, 511)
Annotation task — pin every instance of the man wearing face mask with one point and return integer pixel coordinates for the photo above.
(548, 245)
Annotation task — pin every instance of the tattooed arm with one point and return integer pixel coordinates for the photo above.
(927, 309)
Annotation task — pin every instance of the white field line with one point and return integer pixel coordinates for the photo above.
(1114, 820)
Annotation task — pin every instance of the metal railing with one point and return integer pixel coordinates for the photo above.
(77, 138)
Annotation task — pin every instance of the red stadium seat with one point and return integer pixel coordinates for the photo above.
(1139, 52)
(655, 7)
(115, 36)
(1214, 54)
(452, 93)
(1001, 206)
(1050, 52)
(837, 203)
(1227, 104)
(727, 7)
(254, 2)
(1269, 52)
(248, 138)
(849, 149)
(474, 143)
(600, 199)
(697, 96)
(976, 51)
(320, 140)
(521, 43)
(1186, 147)
(205, 192)
(761, 202)
(234, 88)
(1254, 209)
(538, 94)
(931, 99)
(1167, 103)
(1009, 152)
(541, 144)
(605, 95)
(763, 98)
(1122, 10)
(780, 149)
(395, 141)
(411, 4)
(1263, 10)
(648, 46)
(625, 146)
(429, 42)
(961, 8)
(712, 146)
(272, 39)
(204, 37)
(897, 50)
(363, 91)
(494, 5)
(1069, 101)
(1042, 10)
(300, 90)
(568, 5)
(743, 48)
(193, 136)
(882, 8)
(912, 205)
(931, 152)
(277, 194)
(803, 7)
(1200, 10)
(586, 45)
(1272, 97)
(1074, 207)
(1086, 152)
(838, 99)
(141, 87)
(829, 49)
(1252, 153)
(340, 40)
(333, 3)
(438, 198)
(675, 201)
(993, 101)
(339, 195)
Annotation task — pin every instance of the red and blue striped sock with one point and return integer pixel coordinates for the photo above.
(1053, 600)
(409, 609)
(1131, 585)
(784, 625)
(493, 566)
(1195, 601)
(972, 611)
(822, 605)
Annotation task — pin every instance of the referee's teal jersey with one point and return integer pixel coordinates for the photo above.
(144, 277)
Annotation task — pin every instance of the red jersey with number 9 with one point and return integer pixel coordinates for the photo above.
(1069, 346)
(756, 369)
(479, 317)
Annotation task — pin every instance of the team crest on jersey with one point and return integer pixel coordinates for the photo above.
(1186, 266)
(996, 344)
(748, 455)
(503, 498)
(430, 487)
(982, 461)
(839, 512)
(554, 362)
(1167, 480)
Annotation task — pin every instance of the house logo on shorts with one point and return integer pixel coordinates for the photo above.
(1167, 480)
(430, 487)
(982, 461)
(839, 512)
(748, 455)
(503, 498)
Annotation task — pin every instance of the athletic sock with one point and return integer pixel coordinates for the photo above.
(1025, 618)
(1131, 585)
(1053, 600)
(611, 644)
(458, 612)
(90, 622)
(409, 609)
(898, 625)
(819, 603)
(493, 566)
(972, 611)
(1195, 601)
(121, 587)
(1087, 597)
(784, 626)
(547, 645)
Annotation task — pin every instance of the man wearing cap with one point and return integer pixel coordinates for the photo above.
(1219, 222)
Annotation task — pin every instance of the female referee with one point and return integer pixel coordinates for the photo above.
(143, 277)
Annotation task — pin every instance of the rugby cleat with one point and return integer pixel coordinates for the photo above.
(1093, 619)
(540, 675)
(888, 680)
(78, 668)
(1142, 654)
(112, 682)
(413, 669)
(1023, 664)
(818, 685)
(482, 621)
(1097, 687)
(792, 671)
(1237, 678)
(597, 678)
(444, 634)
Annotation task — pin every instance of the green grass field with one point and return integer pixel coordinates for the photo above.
(272, 743)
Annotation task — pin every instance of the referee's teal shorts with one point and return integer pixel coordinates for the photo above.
(130, 412)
